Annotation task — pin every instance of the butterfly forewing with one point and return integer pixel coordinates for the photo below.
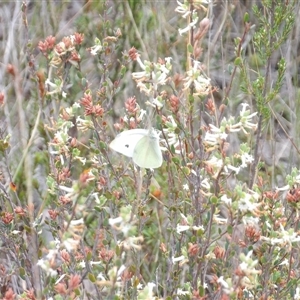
(126, 141)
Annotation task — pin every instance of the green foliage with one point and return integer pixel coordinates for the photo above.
(276, 24)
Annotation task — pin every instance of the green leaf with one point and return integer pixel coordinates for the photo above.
(214, 200)
(176, 160)
(186, 170)
(123, 71)
(229, 229)
(238, 61)
(89, 256)
(77, 292)
(201, 291)
(91, 277)
(102, 145)
(22, 273)
(3, 145)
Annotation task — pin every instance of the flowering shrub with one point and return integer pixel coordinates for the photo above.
(215, 221)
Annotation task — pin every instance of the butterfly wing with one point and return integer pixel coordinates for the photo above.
(147, 153)
(126, 141)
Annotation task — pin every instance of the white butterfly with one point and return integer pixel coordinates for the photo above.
(142, 145)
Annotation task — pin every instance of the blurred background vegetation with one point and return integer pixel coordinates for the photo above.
(152, 28)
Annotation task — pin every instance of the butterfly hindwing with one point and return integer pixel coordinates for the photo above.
(147, 153)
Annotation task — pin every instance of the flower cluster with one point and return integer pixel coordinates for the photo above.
(184, 10)
(89, 108)
(47, 45)
(133, 116)
(100, 47)
(123, 224)
(244, 121)
(61, 54)
(152, 76)
(196, 78)
(215, 138)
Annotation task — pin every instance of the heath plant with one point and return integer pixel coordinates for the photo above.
(217, 219)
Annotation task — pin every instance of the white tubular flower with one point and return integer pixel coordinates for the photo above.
(284, 238)
(297, 293)
(248, 264)
(140, 76)
(45, 265)
(133, 242)
(220, 220)
(56, 86)
(171, 124)
(71, 244)
(183, 9)
(159, 78)
(177, 259)
(186, 187)
(216, 137)
(83, 124)
(186, 29)
(156, 103)
(142, 65)
(173, 140)
(202, 85)
(245, 121)
(249, 220)
(214, 162)
(152, 76)
(232, 168)
(182, 228)
(248, 202)
(211, 139)
(195, 76)
(285, 262)
(113, 221)
(205, 184)
(184, 218)
(246, 158)
(226, 200)
(181, 292)
(246, 117)
(97, 47)
(147, 292)
(223, 282)
(143, 113)
(284, 188)
(198, 228)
